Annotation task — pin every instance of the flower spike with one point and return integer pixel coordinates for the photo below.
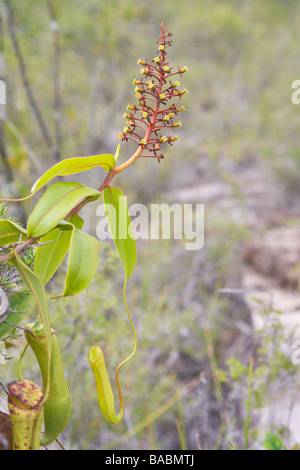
(156, 91)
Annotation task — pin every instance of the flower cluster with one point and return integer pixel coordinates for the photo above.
(150, 121)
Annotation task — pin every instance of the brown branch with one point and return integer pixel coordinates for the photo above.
(3, 152)
(56, 79)
(8, 173)
(24, 77)
(18, 249)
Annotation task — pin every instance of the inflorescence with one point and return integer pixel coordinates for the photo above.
(149, 122)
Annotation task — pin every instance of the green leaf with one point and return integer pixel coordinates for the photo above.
(49, 256)
(38, 292)
(120, 226)
(117, 154)
(71, 166)
(10, 232)
(272, 442)
(82, 262)
(55, 204)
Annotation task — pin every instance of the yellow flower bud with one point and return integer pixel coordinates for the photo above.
(184, 69)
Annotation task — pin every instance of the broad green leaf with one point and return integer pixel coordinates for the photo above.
(38, 292)
(49, 256)
(82, 262)
(120, 226)
(55, 204)
(10, 232)
(71, 166)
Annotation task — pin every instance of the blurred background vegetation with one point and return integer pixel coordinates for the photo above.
(240, 132)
